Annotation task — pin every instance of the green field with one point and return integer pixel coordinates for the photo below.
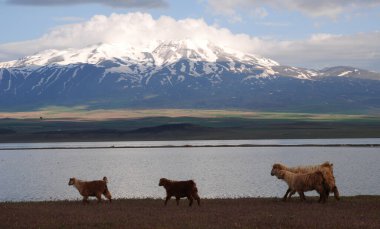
(80, 124)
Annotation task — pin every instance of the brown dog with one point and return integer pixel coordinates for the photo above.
(326, 168)
(180, 189)
(303, 182)
(91, 188)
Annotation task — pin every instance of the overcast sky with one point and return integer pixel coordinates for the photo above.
(303, 33)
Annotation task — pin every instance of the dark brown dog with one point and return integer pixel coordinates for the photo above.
(180, 189)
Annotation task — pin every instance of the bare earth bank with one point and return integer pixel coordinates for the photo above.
(349, 212)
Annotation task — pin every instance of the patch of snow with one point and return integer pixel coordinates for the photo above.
(172, 70)
(121, 78)
(192, 68)
(311, 73)
(302, 75)
(39, 83)
(75, 73)
(270, 71)
(345, 73)
(181, 78)
(9, 84)
(51, 75)
(103, 76)
(209, 68)
(183, 67)
(119, 69)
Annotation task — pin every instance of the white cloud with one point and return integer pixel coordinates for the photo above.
(324, 50)
(137, 29)
(325, 8)
(140, 30)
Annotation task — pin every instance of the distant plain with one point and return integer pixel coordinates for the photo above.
(81, 124)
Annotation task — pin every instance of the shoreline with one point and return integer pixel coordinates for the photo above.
(191, 146)
(184, 201)
(349, 212)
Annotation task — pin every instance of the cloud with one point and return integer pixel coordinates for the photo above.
(320, 8)
(326, 50)
(142, 31)
(112, 3)
(137, 29)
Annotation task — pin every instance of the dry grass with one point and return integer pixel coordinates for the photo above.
(350, 212)
(81, 113)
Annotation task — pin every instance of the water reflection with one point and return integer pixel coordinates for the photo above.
(219, 172)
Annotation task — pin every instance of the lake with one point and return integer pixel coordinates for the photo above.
(43, 174)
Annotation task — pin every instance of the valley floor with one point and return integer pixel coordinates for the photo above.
(349, 212)
(59, 125)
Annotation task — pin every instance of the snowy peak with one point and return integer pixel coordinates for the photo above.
(161, 53)
(171, 51)
(300, 73)
(202, 50)
(91, 55)
(203, 57)
(350, 72)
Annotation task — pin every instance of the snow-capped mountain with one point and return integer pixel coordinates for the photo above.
(182, 73)
(164, 53)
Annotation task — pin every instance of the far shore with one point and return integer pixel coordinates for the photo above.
(78, 124)
(192, 146)
(349, 212)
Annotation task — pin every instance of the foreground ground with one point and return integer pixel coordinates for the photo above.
(350, 212)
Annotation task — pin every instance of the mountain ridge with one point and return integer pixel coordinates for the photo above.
(182, 74)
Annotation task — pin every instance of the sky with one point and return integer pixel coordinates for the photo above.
(301, 33)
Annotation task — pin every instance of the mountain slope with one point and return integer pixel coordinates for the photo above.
(183, 74)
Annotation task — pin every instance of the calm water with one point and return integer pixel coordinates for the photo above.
(219, 172)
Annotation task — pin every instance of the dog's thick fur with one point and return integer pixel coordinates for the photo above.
(91, 188)
(326, 168)
(303, 182)
(180, 189)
